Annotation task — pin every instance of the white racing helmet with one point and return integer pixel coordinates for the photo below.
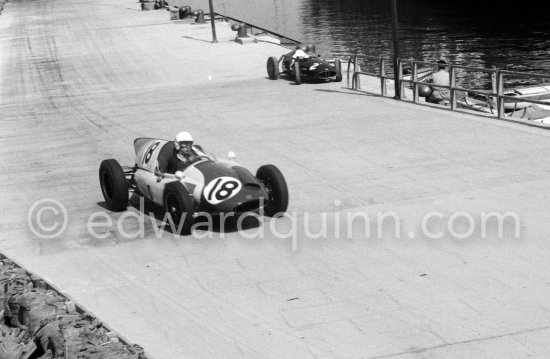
(183, 139)
(310, 48)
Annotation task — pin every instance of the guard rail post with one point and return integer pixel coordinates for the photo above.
(352, 63)
(452, 81)
(500, 100)
(347, 72)
(399, 78)
(414, 76)
(356, 74)
(383, 86)
(494, 80)
(494, 88)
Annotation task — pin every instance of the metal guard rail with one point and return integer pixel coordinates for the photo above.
(497, 76)
(355, 81)
(453, 88)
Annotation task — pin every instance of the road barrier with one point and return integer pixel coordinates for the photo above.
(412, 73)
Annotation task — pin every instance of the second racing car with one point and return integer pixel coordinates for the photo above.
(304, 66)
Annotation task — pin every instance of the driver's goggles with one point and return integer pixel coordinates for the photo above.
(185, 144)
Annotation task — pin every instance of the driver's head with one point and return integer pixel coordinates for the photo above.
(183, 143)
(441, 65)
(310, 48)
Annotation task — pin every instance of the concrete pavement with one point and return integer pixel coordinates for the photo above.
(79, 80)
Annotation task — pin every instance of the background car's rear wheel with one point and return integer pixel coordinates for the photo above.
(297, 75)
(273, 68)
(275, 184)
(113, 185)
(338, 67)
(178, 204)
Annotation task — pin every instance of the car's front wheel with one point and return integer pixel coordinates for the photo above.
(178, 205)
(338, 67)
(297, 75)
(276, 188)
(113, 185)
(273, 68)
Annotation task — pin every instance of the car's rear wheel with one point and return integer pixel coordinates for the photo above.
(113, 185)
(178, 204)
(297, 75)
(338, 67)
(273, 68)
(276, 188)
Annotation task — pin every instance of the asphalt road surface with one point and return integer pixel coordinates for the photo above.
(432, 275)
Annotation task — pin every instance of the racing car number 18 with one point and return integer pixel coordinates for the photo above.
(205, 186)
(149, 152)
(221, 188)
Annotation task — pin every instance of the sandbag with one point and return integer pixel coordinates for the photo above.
(15, 343)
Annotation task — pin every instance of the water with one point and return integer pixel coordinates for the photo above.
(463, 32)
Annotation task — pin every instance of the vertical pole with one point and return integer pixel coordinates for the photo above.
(452, 91)
(494, 80)
(358, 81)
(400, 77)
(354, 75)
(414, 76)
(383, 86)
(396, 54)
(500, 100)
(494, 88)
(212, 15)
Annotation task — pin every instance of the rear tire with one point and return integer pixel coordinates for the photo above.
(178, 204)
(113, 185)
(297, 75)
(338, 67)
(273, 68)
(275, 184)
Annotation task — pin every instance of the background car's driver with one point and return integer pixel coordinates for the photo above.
(301, 52)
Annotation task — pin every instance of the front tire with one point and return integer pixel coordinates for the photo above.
(178, 204)
(297, 75)
(275, 185)
(273, 68)
(113, 185)
(338, 67)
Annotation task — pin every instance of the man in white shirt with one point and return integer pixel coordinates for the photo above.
(440, 78)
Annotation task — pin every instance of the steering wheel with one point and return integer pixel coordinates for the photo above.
(200, 158)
